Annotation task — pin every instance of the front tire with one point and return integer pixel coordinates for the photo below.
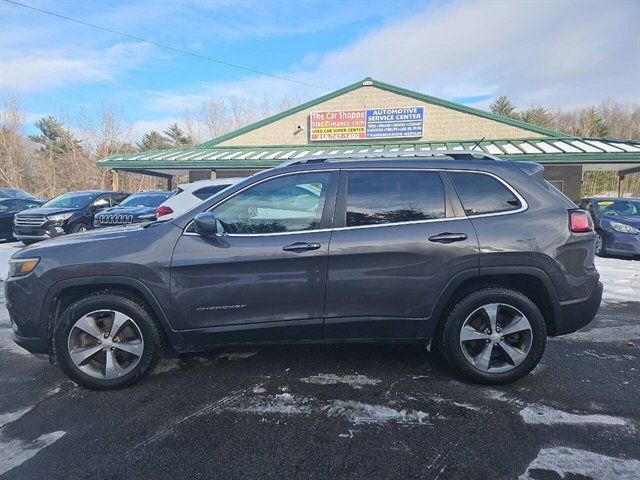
(494, 336)
(107, 340)
(601, 250)
(79, 227)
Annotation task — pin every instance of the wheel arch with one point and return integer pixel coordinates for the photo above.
(64, 293)
(530, 281)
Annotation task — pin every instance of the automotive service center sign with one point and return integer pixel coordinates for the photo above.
(396, 122)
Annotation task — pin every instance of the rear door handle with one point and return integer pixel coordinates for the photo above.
(301, 247)
(447, 237)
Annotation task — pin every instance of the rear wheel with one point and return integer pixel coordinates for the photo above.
(106, 341)
(494, 335)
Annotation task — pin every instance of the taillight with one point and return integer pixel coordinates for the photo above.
(163, 210)
(580, 221)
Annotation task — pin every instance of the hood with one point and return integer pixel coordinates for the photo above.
(45, 211)
(119, 210)
(633, 221)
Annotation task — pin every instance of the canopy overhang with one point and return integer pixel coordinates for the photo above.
(591, 153)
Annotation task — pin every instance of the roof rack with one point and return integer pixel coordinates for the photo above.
(454, 154)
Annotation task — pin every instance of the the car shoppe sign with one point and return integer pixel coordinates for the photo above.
(396, 122)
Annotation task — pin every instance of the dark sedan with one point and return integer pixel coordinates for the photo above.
(67, 213)
(617, 224)
(139, 207)
(8, 209)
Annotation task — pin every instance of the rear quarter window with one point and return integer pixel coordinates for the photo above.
(206, 192)
(481, 194)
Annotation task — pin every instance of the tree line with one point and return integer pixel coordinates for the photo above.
(62, 155)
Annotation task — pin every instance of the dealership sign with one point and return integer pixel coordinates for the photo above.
(367, 124)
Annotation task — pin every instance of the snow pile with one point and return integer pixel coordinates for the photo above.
(621, 279)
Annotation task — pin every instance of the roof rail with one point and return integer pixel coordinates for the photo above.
(454, 154)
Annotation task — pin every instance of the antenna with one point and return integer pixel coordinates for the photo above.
(478, 143)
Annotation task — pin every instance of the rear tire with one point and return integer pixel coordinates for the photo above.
(107, 340)
(494, 351)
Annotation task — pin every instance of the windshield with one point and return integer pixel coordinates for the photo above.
(14, 193)
(622, 207)
(71, 200)
(145, 199)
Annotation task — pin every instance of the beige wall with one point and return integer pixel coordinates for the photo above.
(440, 123)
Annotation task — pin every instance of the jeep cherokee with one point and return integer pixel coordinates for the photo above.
(477, 257)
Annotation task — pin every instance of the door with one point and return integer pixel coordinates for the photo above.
(8, 209)
(398, 241)
(263, 278)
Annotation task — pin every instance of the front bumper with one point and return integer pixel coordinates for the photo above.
(576, 314)
(618, 243)
(24, 299)
(43, 232)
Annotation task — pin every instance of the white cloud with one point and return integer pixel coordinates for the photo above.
(33, 73)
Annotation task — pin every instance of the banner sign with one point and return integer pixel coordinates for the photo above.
(367, 124)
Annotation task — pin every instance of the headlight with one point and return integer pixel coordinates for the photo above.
(61, 217)
(147, 216)
(622, 228)
(19, 267)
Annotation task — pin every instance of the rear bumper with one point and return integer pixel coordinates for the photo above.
(576, 314)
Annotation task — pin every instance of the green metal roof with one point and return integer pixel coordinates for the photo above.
(389, 88)
(548, 150)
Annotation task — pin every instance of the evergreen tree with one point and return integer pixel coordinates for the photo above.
(153, 141)
(591, 124)
(55, 137)
(503, 106)
(536, 116)
(178, 137)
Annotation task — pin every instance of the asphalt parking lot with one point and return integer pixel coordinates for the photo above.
(337, 411)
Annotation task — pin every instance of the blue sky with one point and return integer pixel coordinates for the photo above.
(560, 54)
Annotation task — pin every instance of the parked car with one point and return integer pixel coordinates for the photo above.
(15, 193)
(482, 259)
(617, 225)
(8, 209)
(67, 213)
(139, 207)
(189, 195)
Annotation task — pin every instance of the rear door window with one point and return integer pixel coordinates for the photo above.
(480, 193)
(383, 197)
(206, 192)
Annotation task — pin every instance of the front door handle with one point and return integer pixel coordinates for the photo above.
(447, 237)
(301, 247)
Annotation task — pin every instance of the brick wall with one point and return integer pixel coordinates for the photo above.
(440, 123)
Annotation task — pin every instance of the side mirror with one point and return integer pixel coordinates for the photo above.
(205, 224)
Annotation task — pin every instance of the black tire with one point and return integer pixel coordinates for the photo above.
(450, 340)
(602, 250)
(117, 301)
(29, 242)
(80, 227)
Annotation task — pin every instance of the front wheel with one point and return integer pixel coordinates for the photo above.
(79, 227)
(600, 248)
(495, 335)
(107, 340)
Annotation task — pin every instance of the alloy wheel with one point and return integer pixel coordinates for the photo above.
(496, 338)
(105, 344)
(598, 244)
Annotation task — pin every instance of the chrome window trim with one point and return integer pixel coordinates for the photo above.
(523, 203)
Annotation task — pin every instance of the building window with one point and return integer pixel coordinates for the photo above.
(559, 184)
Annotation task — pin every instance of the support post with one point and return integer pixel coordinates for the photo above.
(214, 174)
(169, 183)
(115, 180)
(620, 185)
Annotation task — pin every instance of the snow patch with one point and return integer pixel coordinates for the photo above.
(360, 413)
(10, 417)
(621, 280)
(541, 414)
(16, 452)
(235, 355)
(354, 381)
(283, 404)
(572, 462)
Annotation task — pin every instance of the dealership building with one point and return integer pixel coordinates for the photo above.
(371, 118)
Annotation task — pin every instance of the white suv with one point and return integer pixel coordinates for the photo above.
(189, 195)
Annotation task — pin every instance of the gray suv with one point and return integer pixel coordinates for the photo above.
(479, 258)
